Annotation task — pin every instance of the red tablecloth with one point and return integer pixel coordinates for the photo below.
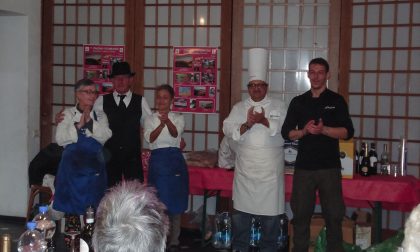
(401, 193)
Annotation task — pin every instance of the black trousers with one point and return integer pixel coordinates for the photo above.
(130, 168)
(328, 184)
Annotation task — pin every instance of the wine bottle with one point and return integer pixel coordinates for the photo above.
(361, 153)
(356, 162)
(88, 229)
(364, 166)
(373, 158)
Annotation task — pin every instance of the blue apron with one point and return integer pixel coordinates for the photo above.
(168, 173)
(81, 179)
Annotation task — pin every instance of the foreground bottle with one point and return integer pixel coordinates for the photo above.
(6, 243)
(31, 240)
(46, 226)
(87, 231)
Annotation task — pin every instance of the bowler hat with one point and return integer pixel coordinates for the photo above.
(121, 68)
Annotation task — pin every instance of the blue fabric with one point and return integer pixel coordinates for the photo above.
(168, 173)
(81, 179)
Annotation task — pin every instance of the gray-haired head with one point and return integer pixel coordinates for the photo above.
(83, 83)
(411, 241)
(130, 218)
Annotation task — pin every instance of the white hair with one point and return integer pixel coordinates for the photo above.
(411, 241)
(130, 218)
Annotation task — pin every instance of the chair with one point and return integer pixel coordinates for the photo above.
(37, 190)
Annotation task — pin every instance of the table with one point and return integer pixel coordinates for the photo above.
(383, 192)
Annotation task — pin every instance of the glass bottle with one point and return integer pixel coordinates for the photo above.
(255, 233)
(373, 158)
(364, 166)
(402, 157)
(385, 165)
(361, 153)
(356, 162)
(6, 244)
(283, 238)
(87, 231)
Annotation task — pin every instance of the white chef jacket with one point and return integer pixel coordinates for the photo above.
(226, 153)
(66, 132)
(145, 109)
(165, 138)
(258, 186)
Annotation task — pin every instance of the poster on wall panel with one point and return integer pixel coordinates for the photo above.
(97, 64)
(195, 79)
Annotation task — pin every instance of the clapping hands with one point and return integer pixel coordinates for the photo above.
(313, 127)
(254, 117)
(85, 118)
(163, 117)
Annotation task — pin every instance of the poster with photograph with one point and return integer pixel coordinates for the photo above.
(97, 64)
(195, 79)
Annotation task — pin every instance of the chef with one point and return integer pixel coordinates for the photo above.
(258, 188)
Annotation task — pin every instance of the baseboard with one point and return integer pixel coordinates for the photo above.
(13, 219)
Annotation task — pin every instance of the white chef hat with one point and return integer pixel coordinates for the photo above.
(257, 64)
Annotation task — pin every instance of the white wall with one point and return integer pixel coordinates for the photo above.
(20, 50)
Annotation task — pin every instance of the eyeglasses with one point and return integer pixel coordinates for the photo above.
(88, 92)
(256, 85)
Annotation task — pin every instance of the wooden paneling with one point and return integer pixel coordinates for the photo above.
(46, 73)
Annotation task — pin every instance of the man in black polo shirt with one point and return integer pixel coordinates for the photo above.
(318, 118)
(125, 111)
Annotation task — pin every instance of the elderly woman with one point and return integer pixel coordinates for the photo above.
(81, 178)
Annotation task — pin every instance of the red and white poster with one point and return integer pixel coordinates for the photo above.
(97, 64)
(195, 79)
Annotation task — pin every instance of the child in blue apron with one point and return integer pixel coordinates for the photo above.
(167, 167)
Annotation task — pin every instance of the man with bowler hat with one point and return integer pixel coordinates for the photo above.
(126, 112)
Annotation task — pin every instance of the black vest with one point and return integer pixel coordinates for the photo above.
(125, 126)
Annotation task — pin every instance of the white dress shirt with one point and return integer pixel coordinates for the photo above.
(145, 109)
(165, 139)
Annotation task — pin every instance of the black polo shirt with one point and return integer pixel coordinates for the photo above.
(317, 152)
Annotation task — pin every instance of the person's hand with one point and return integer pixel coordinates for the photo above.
(259, 117)
(59, 117)
(84, 118)
(163, 117)
(314, 128)
(182, 144)
(86, 114)
(250, 118)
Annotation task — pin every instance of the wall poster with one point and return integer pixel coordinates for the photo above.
(97, 64)
(195, 79)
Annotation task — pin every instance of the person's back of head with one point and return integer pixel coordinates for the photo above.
(130, 218)
(411, 241)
